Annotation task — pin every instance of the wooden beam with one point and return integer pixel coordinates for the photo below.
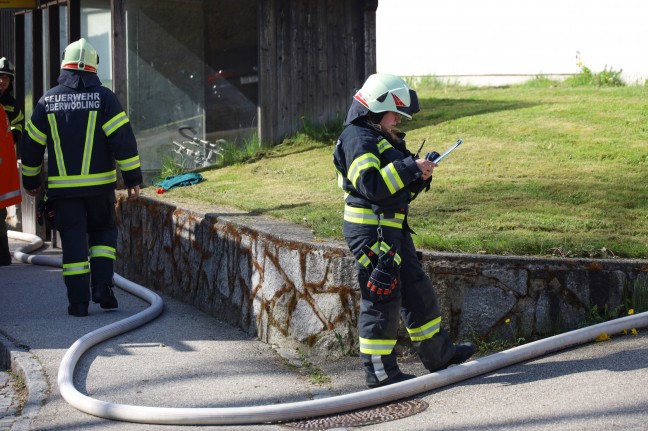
(370, 36)
(74, 20)
(19, 57)
(37, 56)
(54, 49)
(119, 66)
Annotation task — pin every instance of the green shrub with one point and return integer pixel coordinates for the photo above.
(322, 132)
(170, 167)
(636, 296)
(607, 78)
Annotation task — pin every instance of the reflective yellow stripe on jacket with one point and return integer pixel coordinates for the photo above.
(129, 164)
(30, 171)
(389, 173)
(36, 134)
(391, 178)
(60, 182)
(89, 142)
(384, 145)
(367, 216)
(115, 123)
(363, 162)
(16, 122)
(85, 178)
(58, 152)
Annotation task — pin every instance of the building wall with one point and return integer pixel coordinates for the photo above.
(313, 55)
(6, 35)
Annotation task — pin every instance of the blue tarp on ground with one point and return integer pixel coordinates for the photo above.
(181, 180)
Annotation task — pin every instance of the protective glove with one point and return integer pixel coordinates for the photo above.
(418, 186)
(383, 280)
(45, 213)
(426, 184)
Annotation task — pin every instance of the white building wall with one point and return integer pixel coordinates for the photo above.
(511, 37)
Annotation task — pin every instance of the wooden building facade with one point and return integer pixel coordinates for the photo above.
(313, 55)
(228, 69)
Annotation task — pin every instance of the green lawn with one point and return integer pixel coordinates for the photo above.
(544, 170)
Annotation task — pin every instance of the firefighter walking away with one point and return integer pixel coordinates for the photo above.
(87, 136)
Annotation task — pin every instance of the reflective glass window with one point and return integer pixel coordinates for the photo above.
(96, 29)
(191, 63)
(28, 70)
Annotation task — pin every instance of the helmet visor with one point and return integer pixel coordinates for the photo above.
(413, 107)
(414, 103)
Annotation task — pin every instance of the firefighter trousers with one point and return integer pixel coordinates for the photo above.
(89, 239)
(414, 300)
(5, 255)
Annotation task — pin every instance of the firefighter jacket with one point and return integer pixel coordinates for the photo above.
(9, 179)
(379, 176)
(15, 114)
(86, 133)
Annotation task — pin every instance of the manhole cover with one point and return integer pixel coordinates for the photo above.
(368, 416)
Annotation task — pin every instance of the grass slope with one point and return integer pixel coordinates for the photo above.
(544, 170)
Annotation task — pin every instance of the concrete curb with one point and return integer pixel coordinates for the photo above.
(25, 364)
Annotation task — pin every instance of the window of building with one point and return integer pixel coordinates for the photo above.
(63, 39)
(188, 63)
(96, 29)
(45, 53)
(28, 72)
(191, 63)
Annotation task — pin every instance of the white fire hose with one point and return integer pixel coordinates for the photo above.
(288, 411)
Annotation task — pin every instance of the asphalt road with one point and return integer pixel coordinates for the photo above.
(185, 358)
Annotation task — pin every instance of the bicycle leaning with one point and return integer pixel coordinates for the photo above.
(193, 152)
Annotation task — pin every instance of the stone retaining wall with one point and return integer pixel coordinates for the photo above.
(277, 282)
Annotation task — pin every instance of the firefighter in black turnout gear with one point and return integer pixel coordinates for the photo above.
(380, 177)
(86, 133)
(9, 103)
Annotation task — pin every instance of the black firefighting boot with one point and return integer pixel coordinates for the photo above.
(103, 295)
(5, 255)
(400, 377)
(461, 354)
(78, 309)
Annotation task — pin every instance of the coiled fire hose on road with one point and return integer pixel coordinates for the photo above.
(288, 411)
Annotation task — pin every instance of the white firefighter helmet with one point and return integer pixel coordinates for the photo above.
(383, 92)
(80, 55)
(6, 67)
